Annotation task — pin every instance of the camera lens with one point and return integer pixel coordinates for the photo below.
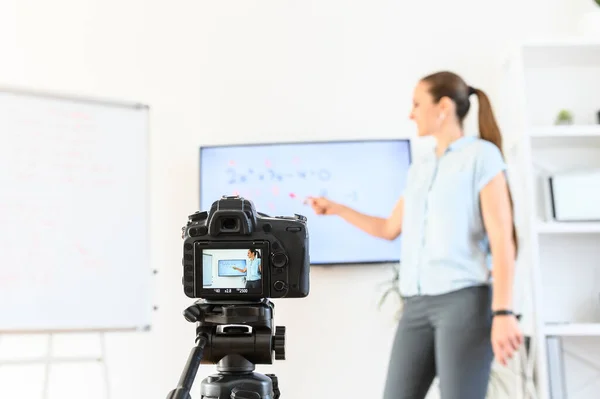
(229, 224)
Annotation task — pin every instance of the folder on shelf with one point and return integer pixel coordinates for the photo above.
(575, 195)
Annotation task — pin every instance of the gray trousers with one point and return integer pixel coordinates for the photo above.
(252, 284)
(446, 335)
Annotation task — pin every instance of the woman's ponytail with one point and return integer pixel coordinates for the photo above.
(488, 128)
(489, 131)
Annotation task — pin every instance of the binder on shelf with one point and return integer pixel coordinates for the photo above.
(547, 208)
(574, 196)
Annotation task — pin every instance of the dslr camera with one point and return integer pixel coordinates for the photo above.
(232, 252)
(234, 260)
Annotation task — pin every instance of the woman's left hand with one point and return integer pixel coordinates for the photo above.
(506, 337)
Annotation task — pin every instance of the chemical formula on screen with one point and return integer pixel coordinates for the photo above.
(282, 188)
(270, 175)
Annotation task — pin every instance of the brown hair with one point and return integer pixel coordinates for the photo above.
(448, 84)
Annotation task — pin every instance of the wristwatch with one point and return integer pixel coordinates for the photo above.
(505, 312)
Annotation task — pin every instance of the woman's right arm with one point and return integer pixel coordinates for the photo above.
(388, 229)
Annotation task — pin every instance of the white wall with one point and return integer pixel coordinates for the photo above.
(238, 71)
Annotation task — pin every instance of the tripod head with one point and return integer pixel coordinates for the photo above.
(243, 328)
(235, 335)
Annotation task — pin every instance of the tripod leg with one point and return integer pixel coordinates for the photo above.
(186, 381)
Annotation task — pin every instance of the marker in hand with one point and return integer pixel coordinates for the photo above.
(306, 201)
(322, 206)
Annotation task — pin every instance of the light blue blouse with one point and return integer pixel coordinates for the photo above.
(252, 272)
(444, 243)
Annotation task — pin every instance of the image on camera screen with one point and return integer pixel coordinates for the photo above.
(232, 270)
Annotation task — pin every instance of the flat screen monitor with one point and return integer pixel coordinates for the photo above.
(231, 267)
(368, 176)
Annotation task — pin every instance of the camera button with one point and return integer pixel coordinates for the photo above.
(293, 229)
(279, 285)
(197, 216)
(279, 259)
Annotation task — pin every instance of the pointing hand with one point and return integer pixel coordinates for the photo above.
(323, 206)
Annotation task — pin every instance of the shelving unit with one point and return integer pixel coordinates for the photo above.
(563, 258)
(567, 228)
(573, 330)
(566, 131)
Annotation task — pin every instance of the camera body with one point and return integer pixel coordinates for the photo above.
(232, 252)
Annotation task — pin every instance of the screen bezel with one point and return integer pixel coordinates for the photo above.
(406, 140)
(211, 293)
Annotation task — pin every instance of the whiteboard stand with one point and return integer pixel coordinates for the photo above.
(50, 360)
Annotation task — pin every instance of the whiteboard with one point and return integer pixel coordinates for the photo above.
(207, 273)
(74, 207)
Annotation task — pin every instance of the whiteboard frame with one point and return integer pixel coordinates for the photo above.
(152, 272)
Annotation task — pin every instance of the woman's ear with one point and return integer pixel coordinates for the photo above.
(446, 106)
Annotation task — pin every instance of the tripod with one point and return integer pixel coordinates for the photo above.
(236, 335)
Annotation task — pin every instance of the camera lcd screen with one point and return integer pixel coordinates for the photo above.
(232, 271)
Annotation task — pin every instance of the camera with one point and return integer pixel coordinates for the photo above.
(234, 260)
(233, 252)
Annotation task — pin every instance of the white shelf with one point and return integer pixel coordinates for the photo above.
(573, 329)
(568, 227)
(566, 131)
(572, 41)
(582, 52)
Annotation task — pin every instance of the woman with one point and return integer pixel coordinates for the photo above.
(455, 216)
(253, 269)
